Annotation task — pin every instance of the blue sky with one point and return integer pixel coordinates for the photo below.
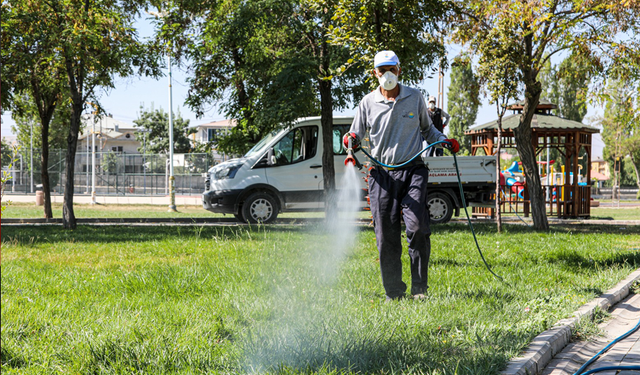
(125, 100)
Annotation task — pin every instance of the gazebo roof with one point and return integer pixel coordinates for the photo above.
(543, 105)
(539, 121)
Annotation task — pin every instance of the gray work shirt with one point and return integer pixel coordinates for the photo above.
(397, 129)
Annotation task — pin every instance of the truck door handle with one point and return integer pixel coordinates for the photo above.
(315, 166)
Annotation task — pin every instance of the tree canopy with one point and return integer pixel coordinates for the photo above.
(412, 29)
(621, 127)
(33, 77)
(567, 86)
(97, 42)
(28, 116)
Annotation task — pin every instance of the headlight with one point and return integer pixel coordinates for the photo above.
(228, 171)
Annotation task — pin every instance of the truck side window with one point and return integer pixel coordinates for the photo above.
(298, 145)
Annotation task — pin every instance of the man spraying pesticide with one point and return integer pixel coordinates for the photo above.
(398, 123)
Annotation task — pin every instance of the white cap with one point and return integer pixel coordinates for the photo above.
(432, 99)
(385, 58)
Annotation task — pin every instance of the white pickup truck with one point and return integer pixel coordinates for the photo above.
(283, 173)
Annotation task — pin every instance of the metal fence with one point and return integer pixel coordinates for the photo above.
(117, 173)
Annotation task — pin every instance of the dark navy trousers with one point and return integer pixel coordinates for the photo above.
(391, 192)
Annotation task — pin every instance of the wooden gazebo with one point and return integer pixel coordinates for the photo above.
(567, 193)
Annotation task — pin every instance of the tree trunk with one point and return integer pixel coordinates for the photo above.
(46, 100)
(68, 216)
(328, 170)
(523, 135)
(44, 170)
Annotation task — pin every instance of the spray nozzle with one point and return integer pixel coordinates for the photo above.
(351, 159)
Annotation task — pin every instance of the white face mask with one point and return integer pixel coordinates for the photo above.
(432, 105)
(388, 81)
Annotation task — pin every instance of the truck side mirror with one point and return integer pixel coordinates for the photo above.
(265, 161)
(271, 159)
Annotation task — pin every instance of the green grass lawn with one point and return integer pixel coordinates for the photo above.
(30, 210)
(117, 211)
(281, 300)
(623, 213)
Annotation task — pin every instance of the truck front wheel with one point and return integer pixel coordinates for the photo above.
(259, 208)
(440, 208)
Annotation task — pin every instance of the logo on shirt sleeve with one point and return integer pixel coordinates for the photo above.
(409, 115)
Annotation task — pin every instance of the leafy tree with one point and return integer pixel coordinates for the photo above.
(621, 131)
(603, 33)
(412, 29)
(28, 116)
(567, 86)
(25, 117)
(463, 102)
(33, 75)
(157, 123)
(96, 42)
(498, 70)
(8, 158)
(244, 61)
(110, 163)
(6, 153)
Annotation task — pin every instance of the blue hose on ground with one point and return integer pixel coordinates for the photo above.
(612, 368)
(464, 203)
(516, 212)
(624, 335)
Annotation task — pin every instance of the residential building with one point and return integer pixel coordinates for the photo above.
(111, 135)
(210, 132)
(600, 170)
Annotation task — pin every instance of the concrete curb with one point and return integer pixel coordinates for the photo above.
(550, 342)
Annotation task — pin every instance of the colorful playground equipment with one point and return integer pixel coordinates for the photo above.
(513, 177)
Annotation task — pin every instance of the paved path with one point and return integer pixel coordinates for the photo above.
(624, 316)
(552, 353)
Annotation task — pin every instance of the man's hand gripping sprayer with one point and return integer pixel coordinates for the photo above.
(352, 144)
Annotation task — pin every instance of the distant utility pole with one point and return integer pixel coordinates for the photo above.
(440, 97)
(172, 183)
(93, 161)
(172, 180)
(31, 158)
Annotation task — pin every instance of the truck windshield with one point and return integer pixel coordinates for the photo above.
(259, 147)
